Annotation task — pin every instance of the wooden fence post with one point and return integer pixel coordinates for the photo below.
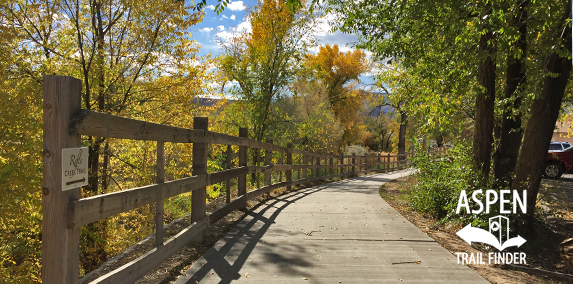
(281, 163)
(199, 196)
(318, 166)
(289, 162)
(312, 172)
(268, 162)
(258, 164)
(229, 165)
(299, 160)
(331, 162)
(242, 180)
(388, 168)
(341, 162)
(60, 245)
(353, 164)
(159, 179)
(305, 169)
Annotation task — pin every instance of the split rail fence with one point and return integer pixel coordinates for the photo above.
(65, 211)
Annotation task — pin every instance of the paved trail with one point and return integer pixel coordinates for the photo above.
(340, 232)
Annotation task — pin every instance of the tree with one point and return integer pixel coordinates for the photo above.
(485, 98)
(511, 132)
(544, 112)
(127, 54)
(379, 132)
(316, 127)
(20, 163)
(264, 61)
(468, 37)
(338, 73)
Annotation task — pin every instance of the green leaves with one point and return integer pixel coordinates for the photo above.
(264, 61)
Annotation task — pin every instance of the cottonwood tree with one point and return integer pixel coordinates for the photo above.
(338, 73)
(265, 60)
(545, 110)
(472, 36)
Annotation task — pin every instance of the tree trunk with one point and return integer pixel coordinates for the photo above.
(94, 237)
(402, 133)
(511, 132)
(440, 140)
(544, 113)
(105, 171)
(483, 132)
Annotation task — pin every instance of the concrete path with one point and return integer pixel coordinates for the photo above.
(340, 232)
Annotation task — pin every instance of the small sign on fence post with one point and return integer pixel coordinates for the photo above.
(74, 167)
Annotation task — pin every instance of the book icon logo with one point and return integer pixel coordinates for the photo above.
(497, 236)
(499, 227)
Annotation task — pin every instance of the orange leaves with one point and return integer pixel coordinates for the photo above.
(337, 71)
(336, 68)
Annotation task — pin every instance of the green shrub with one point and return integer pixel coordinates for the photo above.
(441, 179)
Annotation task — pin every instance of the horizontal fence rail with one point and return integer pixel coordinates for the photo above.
(67, 212)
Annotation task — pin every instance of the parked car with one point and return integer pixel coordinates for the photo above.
(559, 146)
(559, 160)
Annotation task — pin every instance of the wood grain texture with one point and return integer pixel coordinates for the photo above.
(242, 179)
(91, 209)
(91, 123)
(225, 210)
(266, 189)
(229, 159)
(60, 245)
(199, 196)
(160, 178)
(132, 271)
(268, 164)
(289, 162)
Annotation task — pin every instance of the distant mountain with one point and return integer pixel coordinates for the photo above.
(211, 102)
(374, 110)
(208, 102)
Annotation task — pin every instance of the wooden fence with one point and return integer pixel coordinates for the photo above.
(65, 211)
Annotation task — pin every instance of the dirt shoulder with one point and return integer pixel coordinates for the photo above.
(544, 264)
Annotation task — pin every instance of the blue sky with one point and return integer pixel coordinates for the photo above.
(233, 18)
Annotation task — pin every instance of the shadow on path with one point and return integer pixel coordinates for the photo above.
(216, 258)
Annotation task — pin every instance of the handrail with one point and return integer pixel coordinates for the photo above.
(78, 211)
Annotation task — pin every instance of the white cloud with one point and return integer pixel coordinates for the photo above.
(245, 26)
(221, 28)
(211, 7)
(236, 6)
(232, 17)
(224, 37)
(206, 30)
(323, 26)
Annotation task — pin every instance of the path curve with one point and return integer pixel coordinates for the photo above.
(340, 232)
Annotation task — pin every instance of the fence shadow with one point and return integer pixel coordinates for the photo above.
(246, 237)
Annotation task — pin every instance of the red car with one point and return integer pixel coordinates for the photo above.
(559, 160)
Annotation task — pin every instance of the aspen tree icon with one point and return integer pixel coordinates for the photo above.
(499, 227)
